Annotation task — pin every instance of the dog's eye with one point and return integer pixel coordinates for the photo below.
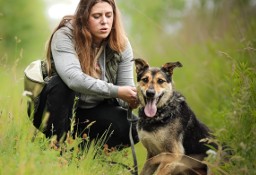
(160, 81)
(145, 80)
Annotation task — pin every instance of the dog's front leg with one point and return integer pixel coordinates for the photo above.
(168, 163)
(162, 169)
(148, 168)
(150, 165)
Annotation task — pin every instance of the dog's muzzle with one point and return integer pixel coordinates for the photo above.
(151, 102)
(150, 93)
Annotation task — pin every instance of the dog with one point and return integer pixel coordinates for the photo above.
(167, 127)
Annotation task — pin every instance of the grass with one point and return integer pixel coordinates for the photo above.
(20, 155)
(229, 91)
(234, 110)
(218, 80)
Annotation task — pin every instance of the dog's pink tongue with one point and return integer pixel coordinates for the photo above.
(150, 108)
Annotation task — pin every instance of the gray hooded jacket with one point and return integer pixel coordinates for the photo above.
(117, 70)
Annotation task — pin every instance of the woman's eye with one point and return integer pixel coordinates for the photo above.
(96, 16)
(109, 15)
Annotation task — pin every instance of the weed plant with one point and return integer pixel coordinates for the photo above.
(22, 155)
(21, 152)
(218, 80)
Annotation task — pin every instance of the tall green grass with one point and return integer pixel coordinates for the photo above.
(21, 153)
(217, 78)
(232, 101)
(240, 124)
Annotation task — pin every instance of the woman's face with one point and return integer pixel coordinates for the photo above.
(100, 21)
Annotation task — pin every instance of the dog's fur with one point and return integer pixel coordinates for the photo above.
(167, 127)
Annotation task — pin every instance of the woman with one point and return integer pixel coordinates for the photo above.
(90, 58)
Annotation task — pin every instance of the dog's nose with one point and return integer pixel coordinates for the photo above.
(150, 93)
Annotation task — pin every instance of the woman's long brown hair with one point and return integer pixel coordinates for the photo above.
(83, 38)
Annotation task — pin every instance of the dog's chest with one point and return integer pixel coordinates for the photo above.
(154, 141)
(165, 138)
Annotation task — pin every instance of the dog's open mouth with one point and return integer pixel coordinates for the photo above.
(151, 106)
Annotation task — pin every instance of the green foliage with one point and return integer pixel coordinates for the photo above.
(217, 48)
(146, 21)
(24, 26)
(236, 152)
(241, 119)
(23, 153)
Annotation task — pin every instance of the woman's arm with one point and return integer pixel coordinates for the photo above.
(127, 91)
(69, 69)
(125, 67)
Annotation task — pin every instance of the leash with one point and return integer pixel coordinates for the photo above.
(133, 120)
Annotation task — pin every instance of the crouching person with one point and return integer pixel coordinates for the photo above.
(88, 57)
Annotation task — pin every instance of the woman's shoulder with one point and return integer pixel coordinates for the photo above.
(127, 49)
(66, 30)
(63, 37)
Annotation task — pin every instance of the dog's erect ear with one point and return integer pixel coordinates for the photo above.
(140, 65)
(168, 67)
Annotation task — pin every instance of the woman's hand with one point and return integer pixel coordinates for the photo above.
(129, 95)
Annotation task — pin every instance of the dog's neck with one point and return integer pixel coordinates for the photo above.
(165, 113)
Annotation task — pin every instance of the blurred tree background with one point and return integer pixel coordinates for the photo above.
(201, 34)
(215, 40)
(24, 30)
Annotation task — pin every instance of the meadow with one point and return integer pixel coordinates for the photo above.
(217, 78)
(226, 99)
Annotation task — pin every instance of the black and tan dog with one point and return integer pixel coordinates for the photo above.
(168, 128)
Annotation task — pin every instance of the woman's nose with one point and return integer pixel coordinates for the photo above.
(103, 20)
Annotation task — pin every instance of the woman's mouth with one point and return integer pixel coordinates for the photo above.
(104, 30)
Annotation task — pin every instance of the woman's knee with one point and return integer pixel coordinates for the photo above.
(57, 100)
(58, 92)
(121, 128)
(109, 119)
(57, 86)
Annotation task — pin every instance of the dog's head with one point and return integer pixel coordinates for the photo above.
(154, 86)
